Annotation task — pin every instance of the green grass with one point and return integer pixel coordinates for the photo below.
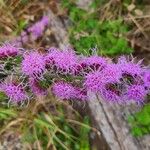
(140, 122)
(40, 126)
(87, 31)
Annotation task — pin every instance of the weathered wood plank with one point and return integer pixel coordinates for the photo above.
(111, 121)
(58, 30)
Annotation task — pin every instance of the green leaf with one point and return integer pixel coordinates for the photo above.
(137, 131)
(2, 96)
(143, 118)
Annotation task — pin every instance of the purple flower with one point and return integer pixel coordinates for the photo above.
(66, 62)
(35, 31)
(24, 37)
(15, 92)
(113, 92)
(146, 78)
(81, 94)
(50, 57)
(129, 67)
(94, 62)
(33, 64)
(45, 20)
(111, 73)
(64, 91)
(110, 96)
(20, 40)
(94, 81)
(136, 93)
(8, 50)
(38, 28)
(36, 88)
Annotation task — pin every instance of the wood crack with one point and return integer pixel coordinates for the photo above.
(117, 139)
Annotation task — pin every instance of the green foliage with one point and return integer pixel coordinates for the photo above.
(58, 131)
(6, 114)
(10, 63)
(87, 31)
(96, 3)
(140, 122)
(83, 136)
(24, 2)
(20, 26)
(46, 129)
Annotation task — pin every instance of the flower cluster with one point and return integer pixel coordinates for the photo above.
(71, 76)
(66, 91)
(15, 92)
(33, 64)
(38, 28)
(8, 50)
(33, 32)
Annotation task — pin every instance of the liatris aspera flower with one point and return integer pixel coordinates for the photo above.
(50, 57)
(130, 67)
(113, 92)
(38, 28)
(15, 92)
(111, 73)
(94, 62)
(110, 96)
(64, 91)
(120, 82)
(81, 94)
(32, 33)
(146, 78)
(66, 61)
(8, 50)
(136, 93)
(36, 88)
(94, 81)
(33, 64)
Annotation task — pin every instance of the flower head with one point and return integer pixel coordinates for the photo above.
(45, 20)
(36, 88)
(33, 64)
(94, 62)
(7, 50)
(110, 96)
(15, 92)
(81, 94)
(50, 56)
(66, 61)
(113, 92)
(64, 91)
(111, 73)
(130, 67)
(94, 81)
(136, 93)
(20, 40)
(146, 78)
(38, 28)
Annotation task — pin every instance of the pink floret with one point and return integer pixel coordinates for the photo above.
(8, 50)
(136, 93)
(33, 64)
(36, 88)
(94, 62)
(15, 92)
(64, 91)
